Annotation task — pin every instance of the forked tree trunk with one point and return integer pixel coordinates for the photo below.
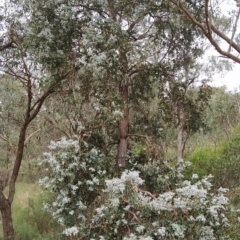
(123, 129)
(32, 110)
(6, 202)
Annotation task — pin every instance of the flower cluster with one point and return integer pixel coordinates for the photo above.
(74, 172)
(188, 211)
(92, 206)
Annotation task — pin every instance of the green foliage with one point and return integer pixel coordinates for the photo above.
(33, 222)
(30, 220)
(221, 160)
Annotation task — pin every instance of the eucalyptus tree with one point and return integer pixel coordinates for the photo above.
(185, 104)
(22, 63)
(120, 48)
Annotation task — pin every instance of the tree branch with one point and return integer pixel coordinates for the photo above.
(139, 135)
(205, 31)
(234, 31)
(8, 45)
(208, 19)
(134, 216)
(28, 138)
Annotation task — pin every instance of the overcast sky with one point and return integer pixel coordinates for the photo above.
(231, 79)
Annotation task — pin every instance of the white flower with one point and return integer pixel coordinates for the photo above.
(140, 229)
(115, 202)
(154, 224)
(145, 238)
(223, 190)
(162, 231)
(195, 176)
(43, 180)
(191, 191)
(127, 208)
(117, 113)
(73, 231)
(89, 182)
(206, 233)
(178, 230)
(201, 218)
(81, 205)
(131, 237)
(115, 185)
(213, 211)
(132, 176)
(94, 152)
(100, 211)
(96, 181)
(180, 203)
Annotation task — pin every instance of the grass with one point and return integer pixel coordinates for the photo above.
(29, 220)
(24, 191)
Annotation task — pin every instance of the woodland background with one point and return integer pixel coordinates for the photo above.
(109, 127)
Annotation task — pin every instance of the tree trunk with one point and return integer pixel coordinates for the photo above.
(123, 130)
(7, 222)
(180, 143)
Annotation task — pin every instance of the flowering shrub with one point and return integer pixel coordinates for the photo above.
(190, 211)
(74, 177)
(91, 206)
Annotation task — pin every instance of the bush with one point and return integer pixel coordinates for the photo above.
(222, 161)
(91, 204)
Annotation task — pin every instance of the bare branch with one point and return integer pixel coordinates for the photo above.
(28, 138)
(208, 19)
(134, 216)
(139, 135)
(234, 30)
(7, 45)
(153, 196)
(205, 31)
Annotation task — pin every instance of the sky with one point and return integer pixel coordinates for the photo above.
(231, 79)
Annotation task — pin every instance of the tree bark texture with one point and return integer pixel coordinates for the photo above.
(123, 126)
(7, 222)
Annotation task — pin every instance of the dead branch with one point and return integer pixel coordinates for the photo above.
(28, 138)
(140, 135)
(134, 216)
